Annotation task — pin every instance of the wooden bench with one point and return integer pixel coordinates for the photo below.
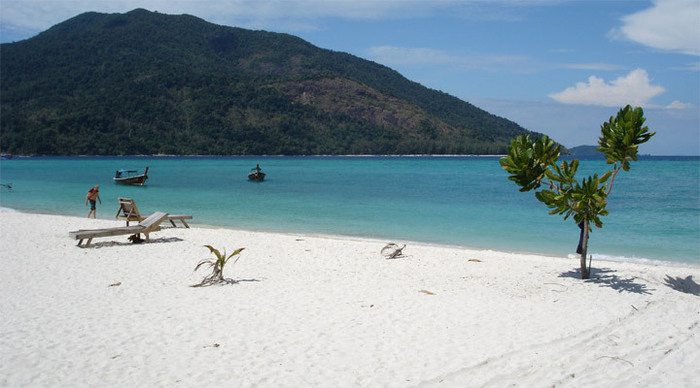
(147, 226)
(128, 211)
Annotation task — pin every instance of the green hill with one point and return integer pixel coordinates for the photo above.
(149, 83)
(585, 151)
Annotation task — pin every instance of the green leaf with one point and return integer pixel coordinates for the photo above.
(621, 136)
(214, 251)
(237, 251)
(211, 263)
(528, 161)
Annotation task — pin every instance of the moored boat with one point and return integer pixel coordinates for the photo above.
(130, 177)
(256, 174)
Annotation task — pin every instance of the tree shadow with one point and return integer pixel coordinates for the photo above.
(605, 277)
(106, 244)
(686, 285)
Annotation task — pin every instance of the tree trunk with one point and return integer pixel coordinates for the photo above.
(585, 271)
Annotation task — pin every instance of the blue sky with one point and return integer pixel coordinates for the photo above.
(557, 67)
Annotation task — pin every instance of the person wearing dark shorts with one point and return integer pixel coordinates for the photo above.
(93, 195)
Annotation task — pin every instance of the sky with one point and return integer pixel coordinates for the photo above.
(553, 66)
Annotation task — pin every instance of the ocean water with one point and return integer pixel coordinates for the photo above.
(464, 201)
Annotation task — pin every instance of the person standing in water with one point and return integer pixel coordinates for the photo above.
(93, 195)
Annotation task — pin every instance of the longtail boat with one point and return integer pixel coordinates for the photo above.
(130, 177)
(256, 174)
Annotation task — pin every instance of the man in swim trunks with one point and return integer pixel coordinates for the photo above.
(93, 195)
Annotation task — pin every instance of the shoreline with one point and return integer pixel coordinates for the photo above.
(596, 257)
(315, 311)
(165, 156)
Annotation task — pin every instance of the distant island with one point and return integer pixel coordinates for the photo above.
(585, 151)
(149, 83)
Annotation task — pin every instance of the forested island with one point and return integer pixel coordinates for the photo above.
(585, 151)
(149, 83)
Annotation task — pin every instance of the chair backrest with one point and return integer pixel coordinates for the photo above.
(153, 220)
(128, 210)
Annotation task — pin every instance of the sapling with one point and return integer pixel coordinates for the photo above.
(533, 163)
(217, 265)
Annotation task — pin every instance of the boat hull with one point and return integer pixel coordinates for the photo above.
(138, 180)
(128, 177)
(256, 176)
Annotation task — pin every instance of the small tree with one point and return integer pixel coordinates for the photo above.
(533, 163)
(217, 265)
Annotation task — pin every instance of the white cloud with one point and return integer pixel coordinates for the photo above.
(676, 130)
(420, 56)
(677, 105)
(424, 56)
(672, 25)
(634, 88)
(41, 14)
(689, 67)
(591, 66)
(278, 15)
(393, 55)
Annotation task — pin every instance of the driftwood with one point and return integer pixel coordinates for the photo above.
(392, 251)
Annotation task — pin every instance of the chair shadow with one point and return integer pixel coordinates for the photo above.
(605, 277)
(687, 285)
(106, 244)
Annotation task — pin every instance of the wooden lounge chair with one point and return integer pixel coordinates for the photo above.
(128, 211)
(147, 226)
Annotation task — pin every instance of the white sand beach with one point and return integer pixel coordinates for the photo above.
(330, 311)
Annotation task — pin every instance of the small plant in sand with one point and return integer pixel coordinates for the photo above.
(217, 265)
(533, 163)
(392, 251)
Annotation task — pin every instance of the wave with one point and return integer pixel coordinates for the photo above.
(638, 260)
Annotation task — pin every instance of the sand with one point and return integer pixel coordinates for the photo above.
(330, 311)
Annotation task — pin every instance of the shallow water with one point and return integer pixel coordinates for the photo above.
(467, 201)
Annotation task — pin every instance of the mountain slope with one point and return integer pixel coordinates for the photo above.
(586, 151)
(146, 83)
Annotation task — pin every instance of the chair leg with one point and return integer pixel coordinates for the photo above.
(185, 223)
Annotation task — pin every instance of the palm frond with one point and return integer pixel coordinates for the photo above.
(205, 261)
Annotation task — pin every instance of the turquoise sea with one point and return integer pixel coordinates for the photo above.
(465, 201)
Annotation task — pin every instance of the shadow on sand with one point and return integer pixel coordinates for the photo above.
(236, 281)
(106, 244)
(226, 281)
(686, 285)
(605, 277)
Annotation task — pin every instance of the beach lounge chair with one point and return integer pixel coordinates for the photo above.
(147, 226)
(128, 211)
